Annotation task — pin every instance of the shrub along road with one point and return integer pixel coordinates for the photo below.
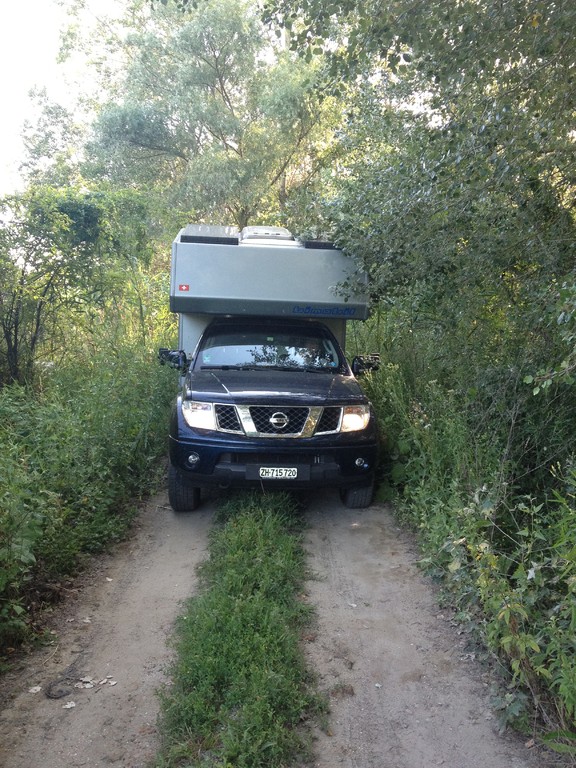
(404, 689)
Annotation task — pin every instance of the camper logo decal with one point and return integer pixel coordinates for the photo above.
(183, 287)
(333, 311)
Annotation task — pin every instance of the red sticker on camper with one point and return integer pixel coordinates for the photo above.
(184, 287)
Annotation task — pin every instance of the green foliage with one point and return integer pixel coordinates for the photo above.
(240, 690)
(75, 458)
(61, 251)
(461, 466)
(460, 44)
(22, 512)
(53, 145)
(456, 194)
(215, 118)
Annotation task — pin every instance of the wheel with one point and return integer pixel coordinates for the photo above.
(182, 498)
(358, 497)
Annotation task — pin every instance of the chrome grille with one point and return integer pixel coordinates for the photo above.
(227, 419)
(276, 420)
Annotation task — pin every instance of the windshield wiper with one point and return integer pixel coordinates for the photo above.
(281, 367)
(249, 367)
(319, 369)
(229, 367)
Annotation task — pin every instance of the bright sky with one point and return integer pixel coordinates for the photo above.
(29, 44)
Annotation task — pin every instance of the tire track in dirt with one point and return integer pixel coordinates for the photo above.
(115, 635)
(403, 691)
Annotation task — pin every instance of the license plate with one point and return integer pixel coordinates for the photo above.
(279, 473)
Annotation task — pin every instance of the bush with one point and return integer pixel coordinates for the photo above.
(483, 470)
(75, 457)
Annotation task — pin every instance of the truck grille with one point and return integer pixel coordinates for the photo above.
(330, 420)
(227, 419)
(277, 420)
(272, 420)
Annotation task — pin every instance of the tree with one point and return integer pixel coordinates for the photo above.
(53, 145)
(461, 167)
(61, 252)
(213, 114)
(457, 193)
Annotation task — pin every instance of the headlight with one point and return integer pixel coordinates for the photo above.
(355, 418)
(198, 415)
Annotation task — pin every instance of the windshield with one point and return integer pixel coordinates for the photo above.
(260, 348)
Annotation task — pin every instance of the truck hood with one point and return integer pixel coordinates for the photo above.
(277, 386)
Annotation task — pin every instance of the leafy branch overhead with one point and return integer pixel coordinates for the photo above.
(214, 113)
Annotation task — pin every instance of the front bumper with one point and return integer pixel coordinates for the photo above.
(338, 461)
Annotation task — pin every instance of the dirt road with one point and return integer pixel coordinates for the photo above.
(405, 691)
(404, 694)
(109, 654)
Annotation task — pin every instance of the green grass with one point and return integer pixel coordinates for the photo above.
(76, 456)
(240, 692)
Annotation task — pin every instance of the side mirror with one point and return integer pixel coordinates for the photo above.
(363, 363)
(175, 358)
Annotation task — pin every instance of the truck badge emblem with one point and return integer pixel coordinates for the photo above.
(279, 420)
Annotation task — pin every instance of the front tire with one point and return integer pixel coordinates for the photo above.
(358, 497)
(182, 498)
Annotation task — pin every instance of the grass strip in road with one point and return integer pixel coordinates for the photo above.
(240, 691)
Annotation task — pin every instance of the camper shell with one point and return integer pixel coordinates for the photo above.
(263, 272)
(268, 398)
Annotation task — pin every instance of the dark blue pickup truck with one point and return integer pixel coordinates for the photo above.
(268, 399)
(271, 403)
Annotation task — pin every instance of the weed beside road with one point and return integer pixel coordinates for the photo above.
(75, 459)
(240, 690)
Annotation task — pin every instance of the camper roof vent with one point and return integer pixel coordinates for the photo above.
(265, 233)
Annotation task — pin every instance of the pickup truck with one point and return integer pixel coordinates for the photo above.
(267, 400)
(271, 403)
